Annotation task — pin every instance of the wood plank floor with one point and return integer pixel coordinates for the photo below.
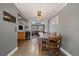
(30, 48)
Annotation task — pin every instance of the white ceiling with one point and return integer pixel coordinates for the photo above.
(29, 10)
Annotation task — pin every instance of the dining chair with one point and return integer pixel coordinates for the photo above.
(54, 44)
(43, 46)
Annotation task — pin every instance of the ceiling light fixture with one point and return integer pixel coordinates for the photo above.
(42, 22)
(39, 15)
(33, 22)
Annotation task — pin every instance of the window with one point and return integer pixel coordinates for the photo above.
(55, 20)
(38, 27)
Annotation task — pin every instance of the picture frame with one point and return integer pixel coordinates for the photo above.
(8, 17)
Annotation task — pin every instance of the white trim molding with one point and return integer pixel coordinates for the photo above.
(14, 50)
(65, 52)
(58, 10)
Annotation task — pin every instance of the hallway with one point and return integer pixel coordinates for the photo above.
(19, 20)
(30, 48)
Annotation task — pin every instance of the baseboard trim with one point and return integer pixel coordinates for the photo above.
(12, 51)
(65, 52)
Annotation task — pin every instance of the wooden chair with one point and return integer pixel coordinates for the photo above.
(54, 44)
(40, 45)
(43, 46)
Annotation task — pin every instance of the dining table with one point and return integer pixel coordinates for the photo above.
(44, 36)
(45, 40)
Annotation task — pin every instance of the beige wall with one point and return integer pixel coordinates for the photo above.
(8, 35)
(69, 27)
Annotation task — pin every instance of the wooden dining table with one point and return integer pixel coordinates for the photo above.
(45, 38)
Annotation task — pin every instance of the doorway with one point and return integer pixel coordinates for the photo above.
(21, 30)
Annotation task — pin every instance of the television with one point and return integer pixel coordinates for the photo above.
(20, 27)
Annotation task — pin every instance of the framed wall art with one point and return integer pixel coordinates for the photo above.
(8, 17)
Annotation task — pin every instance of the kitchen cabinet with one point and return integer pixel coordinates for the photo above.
(21, 36)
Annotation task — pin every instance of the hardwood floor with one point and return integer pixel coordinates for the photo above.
(30, 48)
